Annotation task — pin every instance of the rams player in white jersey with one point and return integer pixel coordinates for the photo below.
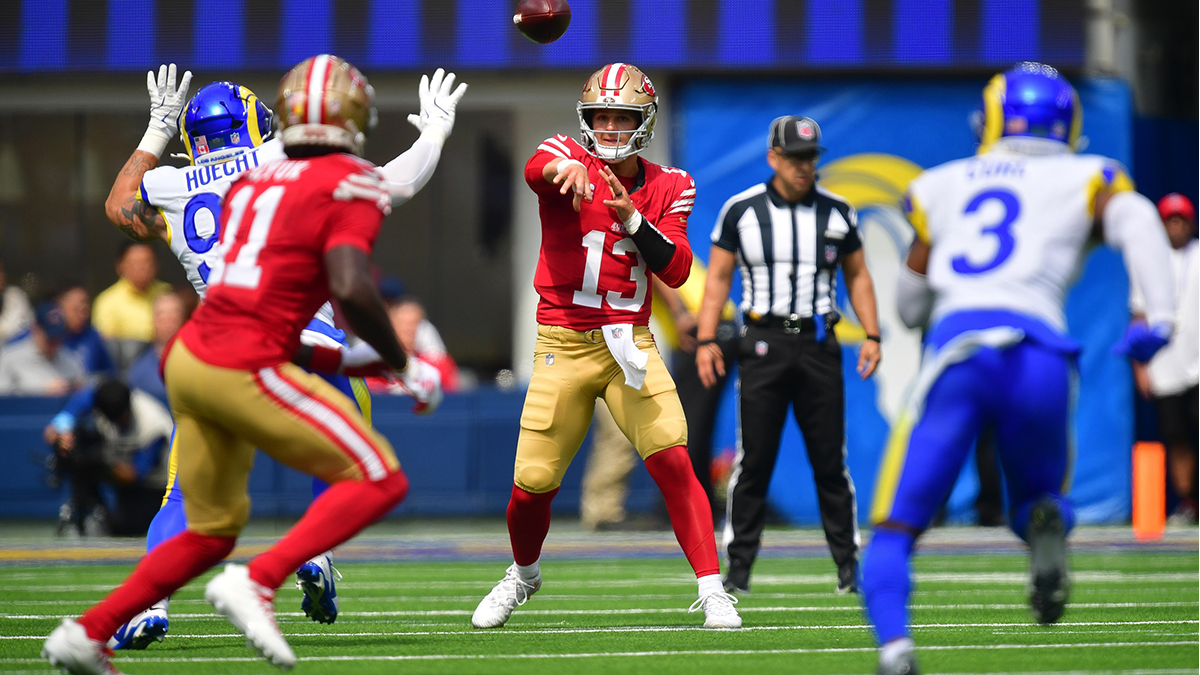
(999, 237)
(227, 130)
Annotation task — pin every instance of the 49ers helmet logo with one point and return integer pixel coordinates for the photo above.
(647, 86)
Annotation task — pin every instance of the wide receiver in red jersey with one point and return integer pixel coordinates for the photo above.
(294, 232)
(609, 219)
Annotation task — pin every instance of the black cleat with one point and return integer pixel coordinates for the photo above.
(847, 578)
(737, 579)
(1049, 581)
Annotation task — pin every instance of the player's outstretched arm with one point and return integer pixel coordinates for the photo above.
(132, 216)
(409, 172)
(137, 219)
(350, 282)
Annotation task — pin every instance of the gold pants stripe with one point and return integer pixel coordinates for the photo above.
(297, 418)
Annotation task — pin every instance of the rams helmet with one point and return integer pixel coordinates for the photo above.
(223, 120)
(624, 87)
(1030, 100)
(325, 101)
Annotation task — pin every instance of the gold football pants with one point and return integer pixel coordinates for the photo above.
(571, 369)
(299, 419)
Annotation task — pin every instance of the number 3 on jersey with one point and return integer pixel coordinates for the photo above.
(589, 295)
(1002, 230)
(244, 271)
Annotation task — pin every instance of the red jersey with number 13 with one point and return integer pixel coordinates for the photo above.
(590, 272)
(277, 223)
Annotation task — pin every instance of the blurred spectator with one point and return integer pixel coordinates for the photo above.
(1170, 378)
(82, 339)
(417, 335)
(36, 365)
(16, 314)
(170, 313)
(123, 313)
(110, 434)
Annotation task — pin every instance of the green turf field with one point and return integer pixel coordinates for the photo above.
(1131, 611)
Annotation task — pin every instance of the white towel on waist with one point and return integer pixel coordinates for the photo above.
(619, 338)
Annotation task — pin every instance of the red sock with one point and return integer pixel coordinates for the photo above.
(163, 571)
(687, 504)
(338, 514)
(528, 523)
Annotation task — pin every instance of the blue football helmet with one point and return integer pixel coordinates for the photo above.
(223, 120)
(1031, 100)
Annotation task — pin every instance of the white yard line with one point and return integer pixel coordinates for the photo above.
(662, 610)
(677, 629)
(682, 652)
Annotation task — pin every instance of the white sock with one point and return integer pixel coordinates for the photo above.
(894, 649)
(531, 572)
(710, 583)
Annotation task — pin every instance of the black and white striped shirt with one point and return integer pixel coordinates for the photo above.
(788, 252)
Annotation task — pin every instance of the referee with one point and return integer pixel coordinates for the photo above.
(788, 237)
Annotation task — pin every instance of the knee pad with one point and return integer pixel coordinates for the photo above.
(536, 478)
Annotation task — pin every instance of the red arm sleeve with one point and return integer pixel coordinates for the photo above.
(555, 147)
(356, 213)
(673, 224)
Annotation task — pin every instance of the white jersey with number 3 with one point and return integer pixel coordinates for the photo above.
(189, 199)
(1007, 230)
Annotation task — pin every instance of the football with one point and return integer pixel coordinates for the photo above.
(543, 21)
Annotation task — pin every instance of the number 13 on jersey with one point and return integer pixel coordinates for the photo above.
(589, 295)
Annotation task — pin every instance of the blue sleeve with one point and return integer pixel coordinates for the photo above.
(101, 361)
(146, 459)
(80, 404)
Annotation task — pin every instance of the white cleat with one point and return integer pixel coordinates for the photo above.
(251, 608)
(718, 610)
(495, 608)
(70, 648)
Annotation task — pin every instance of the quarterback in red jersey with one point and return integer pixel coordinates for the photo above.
(293, 233)
(609, 220)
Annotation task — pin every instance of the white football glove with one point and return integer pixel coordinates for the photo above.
(362, 360)
(424, 383)
(166, 104)
(437, 105)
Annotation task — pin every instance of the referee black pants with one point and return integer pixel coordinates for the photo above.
(779, 370)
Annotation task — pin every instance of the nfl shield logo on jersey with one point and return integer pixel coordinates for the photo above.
(617, 333)
(760, 347)
(549, 359)
(831, 251)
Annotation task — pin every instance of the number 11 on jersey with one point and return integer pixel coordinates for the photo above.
(244, 271)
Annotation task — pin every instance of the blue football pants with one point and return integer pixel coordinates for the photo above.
(1024, 392)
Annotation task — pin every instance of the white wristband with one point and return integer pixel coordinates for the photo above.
(562, 166)
(154, 142)
(633, 223)
(434, 134)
